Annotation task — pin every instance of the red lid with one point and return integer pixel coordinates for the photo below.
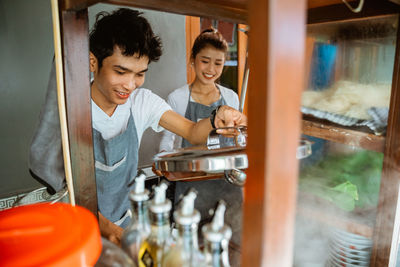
(49, 234)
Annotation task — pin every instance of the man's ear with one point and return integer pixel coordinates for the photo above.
(92, 62)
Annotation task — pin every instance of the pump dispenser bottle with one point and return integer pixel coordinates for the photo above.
(159, 241)
(186, 253)
(139, 228)
(216, 239)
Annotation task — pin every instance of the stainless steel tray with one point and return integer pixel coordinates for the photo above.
(202, 159)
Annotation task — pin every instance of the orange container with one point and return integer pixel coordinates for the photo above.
(49, 235)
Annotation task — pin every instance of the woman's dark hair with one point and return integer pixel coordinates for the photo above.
(209, 37)
(128, 30)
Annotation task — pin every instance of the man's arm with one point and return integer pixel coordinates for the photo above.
(110, 230)
(197, 133)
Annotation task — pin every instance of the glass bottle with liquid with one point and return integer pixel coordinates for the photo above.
(186, 253)
(139, 228)
(159, 241)
(216, 239)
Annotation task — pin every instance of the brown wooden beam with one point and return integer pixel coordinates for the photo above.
(76, 4)
(390, 180)
(212, 9)
(75, 28)
(342, 12)
(276, 58)
(352, 136)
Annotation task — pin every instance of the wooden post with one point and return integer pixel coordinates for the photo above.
(386, 219)
(192, 31)
(276, 58)
(75, 28)
(242, 44)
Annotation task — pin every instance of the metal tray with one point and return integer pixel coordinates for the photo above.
(202, 159)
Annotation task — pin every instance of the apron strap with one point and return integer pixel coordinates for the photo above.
(127, 214)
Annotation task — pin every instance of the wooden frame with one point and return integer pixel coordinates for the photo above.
(242, 51)
(276, 60)
(75, 28)
(276, 48)
(386, 219)
(192, 31)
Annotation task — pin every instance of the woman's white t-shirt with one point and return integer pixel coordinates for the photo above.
(178, 100)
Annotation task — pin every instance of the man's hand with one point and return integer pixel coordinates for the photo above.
(156, 172)
(110, 230)
(229, 117)
(197, 133)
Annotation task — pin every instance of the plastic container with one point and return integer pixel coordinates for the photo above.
(53, 235)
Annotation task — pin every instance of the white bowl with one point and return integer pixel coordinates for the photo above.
(345, 258)
(343, 261)
(353, 254)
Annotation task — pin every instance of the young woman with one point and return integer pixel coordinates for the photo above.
(196, 101)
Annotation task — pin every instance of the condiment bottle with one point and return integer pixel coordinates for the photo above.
(186, 253)
(159, 240)
(216, 239)
(139, 228)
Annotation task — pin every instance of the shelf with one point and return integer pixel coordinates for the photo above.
(228, 10)
(320, 11)
(353, 136)
(358, 222)
(237, 10)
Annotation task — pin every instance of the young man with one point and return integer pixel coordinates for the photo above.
(122, 44)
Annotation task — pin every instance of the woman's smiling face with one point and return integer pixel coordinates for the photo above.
(117, 78)
(208, 64)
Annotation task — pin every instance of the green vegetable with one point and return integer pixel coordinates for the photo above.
(348, 181)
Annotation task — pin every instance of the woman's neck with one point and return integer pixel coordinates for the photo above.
(204, 94)
(203, 89)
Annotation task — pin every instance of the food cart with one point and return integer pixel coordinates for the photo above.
(277, 59)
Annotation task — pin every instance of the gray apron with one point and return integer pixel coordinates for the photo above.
(211, 191)
(116, 161)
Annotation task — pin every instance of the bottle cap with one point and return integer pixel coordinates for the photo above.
(186, 214)
(216, 231)
(160, 203)
(139, 193)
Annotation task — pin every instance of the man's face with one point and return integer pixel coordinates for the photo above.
(116, 79)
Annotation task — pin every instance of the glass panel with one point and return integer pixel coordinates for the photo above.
(350, 66)
(337, 201)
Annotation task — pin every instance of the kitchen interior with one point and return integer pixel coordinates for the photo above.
(323, 79)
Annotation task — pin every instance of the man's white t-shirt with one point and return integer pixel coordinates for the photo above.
(146, 107)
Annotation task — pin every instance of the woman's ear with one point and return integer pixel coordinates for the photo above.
(92, 62)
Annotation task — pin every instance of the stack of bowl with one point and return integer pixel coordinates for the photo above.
(347, 249)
